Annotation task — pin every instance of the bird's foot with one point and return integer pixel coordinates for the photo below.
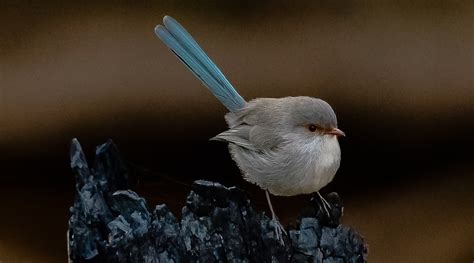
(279, 230)
(325, 204)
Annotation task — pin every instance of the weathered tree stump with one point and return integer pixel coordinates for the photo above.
(110, 223)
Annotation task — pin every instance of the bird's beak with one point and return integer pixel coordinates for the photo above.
(336, 132)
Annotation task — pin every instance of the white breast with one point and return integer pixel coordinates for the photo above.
(302, 167)
(325, 165)
(320, 160)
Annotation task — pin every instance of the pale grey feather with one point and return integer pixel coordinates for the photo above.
(238, 135)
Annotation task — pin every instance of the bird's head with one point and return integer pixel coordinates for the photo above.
(310, 117)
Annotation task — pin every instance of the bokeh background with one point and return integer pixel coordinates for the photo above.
(399, 75)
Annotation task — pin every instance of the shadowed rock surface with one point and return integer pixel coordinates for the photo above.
(110, 223)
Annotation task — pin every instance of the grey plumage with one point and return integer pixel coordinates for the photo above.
(270, 141)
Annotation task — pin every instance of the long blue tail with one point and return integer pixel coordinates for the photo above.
(191, 54)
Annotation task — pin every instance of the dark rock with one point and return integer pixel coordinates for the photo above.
(110, 223)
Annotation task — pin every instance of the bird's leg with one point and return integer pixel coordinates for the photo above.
(279, 229)
(326, 205)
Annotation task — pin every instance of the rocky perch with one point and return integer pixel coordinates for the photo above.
(110, 223)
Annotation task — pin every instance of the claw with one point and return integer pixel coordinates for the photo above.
(326, 206)
(279, 229)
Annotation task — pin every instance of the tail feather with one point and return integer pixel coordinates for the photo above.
(187, 49)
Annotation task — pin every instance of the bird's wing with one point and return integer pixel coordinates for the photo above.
(238, 135)
(254, 138)
(265, 138)
(254, 127)
(187, 49)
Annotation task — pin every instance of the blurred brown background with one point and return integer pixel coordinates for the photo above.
(399, 75)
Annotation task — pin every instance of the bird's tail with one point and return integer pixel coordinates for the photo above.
(191, 54)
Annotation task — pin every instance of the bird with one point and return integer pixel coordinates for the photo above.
(287, 146)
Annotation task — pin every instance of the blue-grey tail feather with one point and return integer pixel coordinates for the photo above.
(191, 54)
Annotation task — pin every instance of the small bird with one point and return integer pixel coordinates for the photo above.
(287, 146)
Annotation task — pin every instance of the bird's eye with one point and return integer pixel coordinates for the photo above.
(312, 128)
